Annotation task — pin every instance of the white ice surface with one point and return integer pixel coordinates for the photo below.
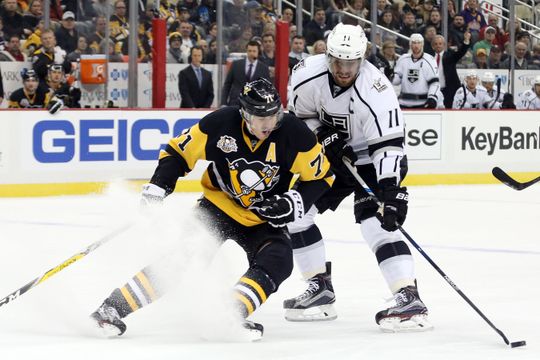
(485, 238)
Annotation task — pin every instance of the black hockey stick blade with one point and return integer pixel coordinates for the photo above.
(503, 177)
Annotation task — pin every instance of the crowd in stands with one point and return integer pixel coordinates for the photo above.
(79, 27)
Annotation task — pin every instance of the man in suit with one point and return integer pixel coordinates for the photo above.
(446, 60)
(242, 71)
(195, 83)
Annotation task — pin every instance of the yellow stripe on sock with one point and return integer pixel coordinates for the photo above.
(146, 283)
(256, 286)
(246, 302)
(131, 302)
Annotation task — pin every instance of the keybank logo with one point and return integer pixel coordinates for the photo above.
(503, 139)
(63, 141)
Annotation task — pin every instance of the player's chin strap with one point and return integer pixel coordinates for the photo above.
(361, 181)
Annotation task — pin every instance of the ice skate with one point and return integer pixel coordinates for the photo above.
(316, 303)
(255, 330)
(107, 318)
(409, 314)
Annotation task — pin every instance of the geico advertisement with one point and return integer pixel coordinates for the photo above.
(93, 140)
(423, 135)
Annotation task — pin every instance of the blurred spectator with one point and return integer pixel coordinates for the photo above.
(32, 16)
(456, 31)
(333, 12)
(58, 86)
(434, 20)
(377, 60)
(446, 60)
(212, 53)
(212, 32)
(493, 21)
(407, 29)
(2, 34)
(429, 34)
(389, 54)
(255, 19)
(174, 54)
(195, 83)
(188, 39)
(97, 36)
(84, 10)
(358, 8)
(381, 6)
(535, 57)
(473, 19)
(103, 7)
(242, 71)
(424, 11)
(82, 49)
(66, 35)
(387, 21)
(48, 54)
(452, 10)
(244, 37)
(12, 51)
(269, 13)
(109, 45)
(204, 46)
(315, 28)
(268, 52)
(234, 13)
(31, 95)
(488, 42)
(480, 59)
(205, 13)
(55, 11)
(287, 15)
(12, 20)
(495, 58)
(33, 42)
(319, 47)
(298, 46)
(520, 62)
(530, 99)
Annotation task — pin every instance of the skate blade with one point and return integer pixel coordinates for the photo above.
(108, 330)
(416, 323)
(316, 313)
(254, 335)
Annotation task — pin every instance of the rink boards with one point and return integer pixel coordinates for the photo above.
(78, 152)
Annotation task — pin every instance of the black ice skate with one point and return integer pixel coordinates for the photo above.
(255, 330)
(316, 303)
(108, 319)
(409, 314)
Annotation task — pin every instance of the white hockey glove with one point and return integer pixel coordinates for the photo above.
(152, 194)
(279, 210)
(55, 105)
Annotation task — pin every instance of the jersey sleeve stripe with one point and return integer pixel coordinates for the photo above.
(433, 80)
(309, 79)
(375, 119)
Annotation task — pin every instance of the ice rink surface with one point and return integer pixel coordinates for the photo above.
(485, 238)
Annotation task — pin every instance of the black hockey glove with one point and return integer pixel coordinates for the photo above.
(389, 72)
(152, 194)
(394, 207)
(55, 105)
(279, 210)
(431, 103)
(335, 147)
(508, 102)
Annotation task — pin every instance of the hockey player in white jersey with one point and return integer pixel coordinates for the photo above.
(495, 92)
(471, 96)
(418, 75)
(354, 110)
(530, 99)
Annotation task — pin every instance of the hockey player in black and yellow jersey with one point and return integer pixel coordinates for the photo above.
(31, 95)
(255, 152)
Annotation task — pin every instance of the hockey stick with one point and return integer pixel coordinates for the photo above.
(503, 177)
(361, 181)
(14, 295)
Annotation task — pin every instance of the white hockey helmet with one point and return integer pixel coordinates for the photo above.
(470, 74)
(416, 37)
(536, 80)
(347, 42)
(488, 76)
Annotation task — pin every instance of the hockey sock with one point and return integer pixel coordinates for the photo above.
(309, 252)
(136, 293)
(252, 290)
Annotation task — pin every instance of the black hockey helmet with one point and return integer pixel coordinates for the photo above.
(260, 98)
(27, 74)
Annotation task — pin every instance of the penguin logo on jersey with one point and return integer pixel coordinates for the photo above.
(249, 180)
(413, 75)
(227, 144)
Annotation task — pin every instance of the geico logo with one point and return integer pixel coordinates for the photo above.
(61, 141)
(427, 137)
